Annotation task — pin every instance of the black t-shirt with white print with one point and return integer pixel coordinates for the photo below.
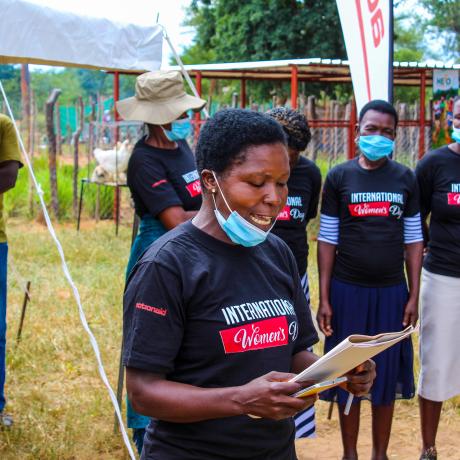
(371, 206)
(161, 178)
(438, 174)
(304, 187)
(211, 314)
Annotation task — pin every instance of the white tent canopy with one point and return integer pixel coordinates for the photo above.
(30, 33)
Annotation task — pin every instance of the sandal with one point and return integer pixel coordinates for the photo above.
(429, 454)
(6, 420)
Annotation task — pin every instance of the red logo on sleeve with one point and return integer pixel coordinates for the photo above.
(285, 213)
(194, 188)
(256, 336)
(156, 310)
(376, 208)
(157, 183)
(453, 199)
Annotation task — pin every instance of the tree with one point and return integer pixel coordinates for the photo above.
(261, 29)
(232, 31)
(444, 21)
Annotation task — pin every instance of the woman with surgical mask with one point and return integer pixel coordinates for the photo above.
(370, 229)
(162, 176)
(438, 174)
(214, 312)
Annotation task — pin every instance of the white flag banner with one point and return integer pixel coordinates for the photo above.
(366, 29)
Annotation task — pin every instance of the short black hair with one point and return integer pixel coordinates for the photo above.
(225, 138)
(379, 106)
(295, 125)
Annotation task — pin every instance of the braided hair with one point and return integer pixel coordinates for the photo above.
(295, 125)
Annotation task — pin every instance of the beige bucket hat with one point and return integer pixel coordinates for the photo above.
(159, 99)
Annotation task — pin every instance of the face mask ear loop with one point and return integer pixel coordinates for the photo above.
(220, 190)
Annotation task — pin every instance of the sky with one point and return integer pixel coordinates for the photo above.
(142, 12)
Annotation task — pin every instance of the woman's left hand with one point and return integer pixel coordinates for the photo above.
(361, 378)
(410, 313)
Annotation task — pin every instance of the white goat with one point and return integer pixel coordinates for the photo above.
(111, 162)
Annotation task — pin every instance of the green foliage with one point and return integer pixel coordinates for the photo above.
(263, 30)
(444, 22)
(408, 47)
(17, 199)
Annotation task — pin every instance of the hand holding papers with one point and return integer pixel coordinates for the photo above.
(351, 352)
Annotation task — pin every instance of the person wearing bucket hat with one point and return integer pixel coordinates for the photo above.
(162, 175)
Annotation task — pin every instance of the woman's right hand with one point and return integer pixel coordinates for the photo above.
(269, 397)
(324, 317)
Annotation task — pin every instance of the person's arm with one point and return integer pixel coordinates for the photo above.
(413, 245)
(8, 175)
(414, 257)
(267, 396)
(423, 173)
(174, 215)
(326, 259)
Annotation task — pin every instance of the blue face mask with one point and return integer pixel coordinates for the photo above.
(375, 147)
(456, 134)
(238, 229)
(180, 129)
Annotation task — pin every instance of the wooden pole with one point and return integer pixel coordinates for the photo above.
(351, 131)
(197, 114)
(52, 148)
(75, 141)
(294, 86)
(421, 143)
(116, 196)
(25, 99)
(58, 130)
(33, 129)
(23, 310)
(243, 93)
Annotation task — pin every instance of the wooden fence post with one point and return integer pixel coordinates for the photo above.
(76, 139)
(50, 103)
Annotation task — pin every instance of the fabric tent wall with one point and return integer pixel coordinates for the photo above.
(30, 33)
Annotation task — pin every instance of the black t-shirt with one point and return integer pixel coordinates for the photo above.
(211, 314)
(161, 178)
(371, 206)
(438, 174)
(302, 205)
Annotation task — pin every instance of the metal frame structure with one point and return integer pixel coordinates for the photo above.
(330, 71)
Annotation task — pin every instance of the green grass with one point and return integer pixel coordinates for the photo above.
(60, 406)
(17, 199)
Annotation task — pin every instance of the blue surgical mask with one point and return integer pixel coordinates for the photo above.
(180, 129)
(238, 229)
(375, 147)
(456, 134)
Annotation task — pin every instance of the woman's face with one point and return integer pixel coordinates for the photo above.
(256, 188)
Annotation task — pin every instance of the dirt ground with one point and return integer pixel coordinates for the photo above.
(404, 443)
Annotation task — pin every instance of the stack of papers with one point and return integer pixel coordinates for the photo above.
(351, 352)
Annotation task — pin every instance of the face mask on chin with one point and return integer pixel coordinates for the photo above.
(238, 229)
(375, 147)
(180, 129)
(456, 134)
